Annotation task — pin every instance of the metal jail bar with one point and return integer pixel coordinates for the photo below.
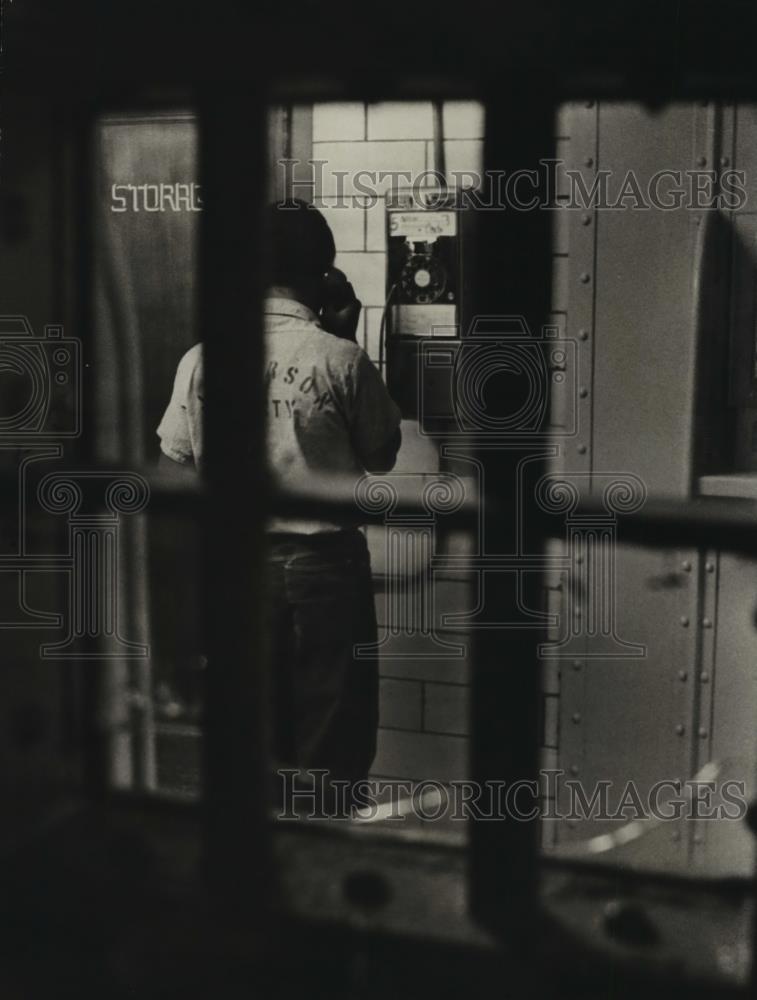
(659, 523)
(514, 275)
(232, 157)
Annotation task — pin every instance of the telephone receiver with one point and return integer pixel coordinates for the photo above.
(340, 309)
(337, 293)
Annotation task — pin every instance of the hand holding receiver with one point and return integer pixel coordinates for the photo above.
(341, 307)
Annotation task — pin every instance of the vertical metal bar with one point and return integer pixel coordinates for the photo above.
(95, 683)
(513, 277)
(232, 161)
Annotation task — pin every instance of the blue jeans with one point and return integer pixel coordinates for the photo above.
(321, 606)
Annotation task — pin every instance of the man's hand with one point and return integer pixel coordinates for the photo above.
(341, 308)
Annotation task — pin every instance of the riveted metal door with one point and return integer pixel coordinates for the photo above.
(627, 707)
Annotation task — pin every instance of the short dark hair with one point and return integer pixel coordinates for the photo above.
(301, 242)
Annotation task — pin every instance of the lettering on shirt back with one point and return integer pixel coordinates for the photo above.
(288, 387)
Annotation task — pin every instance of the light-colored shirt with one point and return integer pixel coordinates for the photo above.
(328, 409)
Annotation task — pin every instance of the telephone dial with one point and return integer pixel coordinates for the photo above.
(423, 279)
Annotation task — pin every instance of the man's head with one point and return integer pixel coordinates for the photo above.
(301, 248)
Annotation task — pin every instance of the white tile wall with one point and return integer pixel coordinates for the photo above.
(455, 671)
(373, 157)
(464, 154)
(360, 332)
(373, 332)
(400, 704)
(463, 120)
(367, 272)
(346, 217)
(446, 708)
(375, 238)
(338, 121)
(418, 453)
(400, 120)
(399, 141)
(420, 756)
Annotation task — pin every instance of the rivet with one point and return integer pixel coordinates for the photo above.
(583, 392)
(571, 823)
(585, 278)
(589, 161)
(682, 675)
(701, 161)
(704, 677)
(724, 161)
(710, 567)
(680, 729)
(685, 621)
(586, 219)
(581, 449)
(577, 664)
(583, 334)
(574, 768)
(698, 838)
(576, 717)
(703, 733)
(686, 566)
(675, 836)
(706, 623)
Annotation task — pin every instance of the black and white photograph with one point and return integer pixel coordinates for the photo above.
(378, 532)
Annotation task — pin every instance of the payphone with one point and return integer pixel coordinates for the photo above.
(429, 250)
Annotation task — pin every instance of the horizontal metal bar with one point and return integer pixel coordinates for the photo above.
(329, 503)
(327, 498)
(598, 52)
(724, 524)
(718, 522)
